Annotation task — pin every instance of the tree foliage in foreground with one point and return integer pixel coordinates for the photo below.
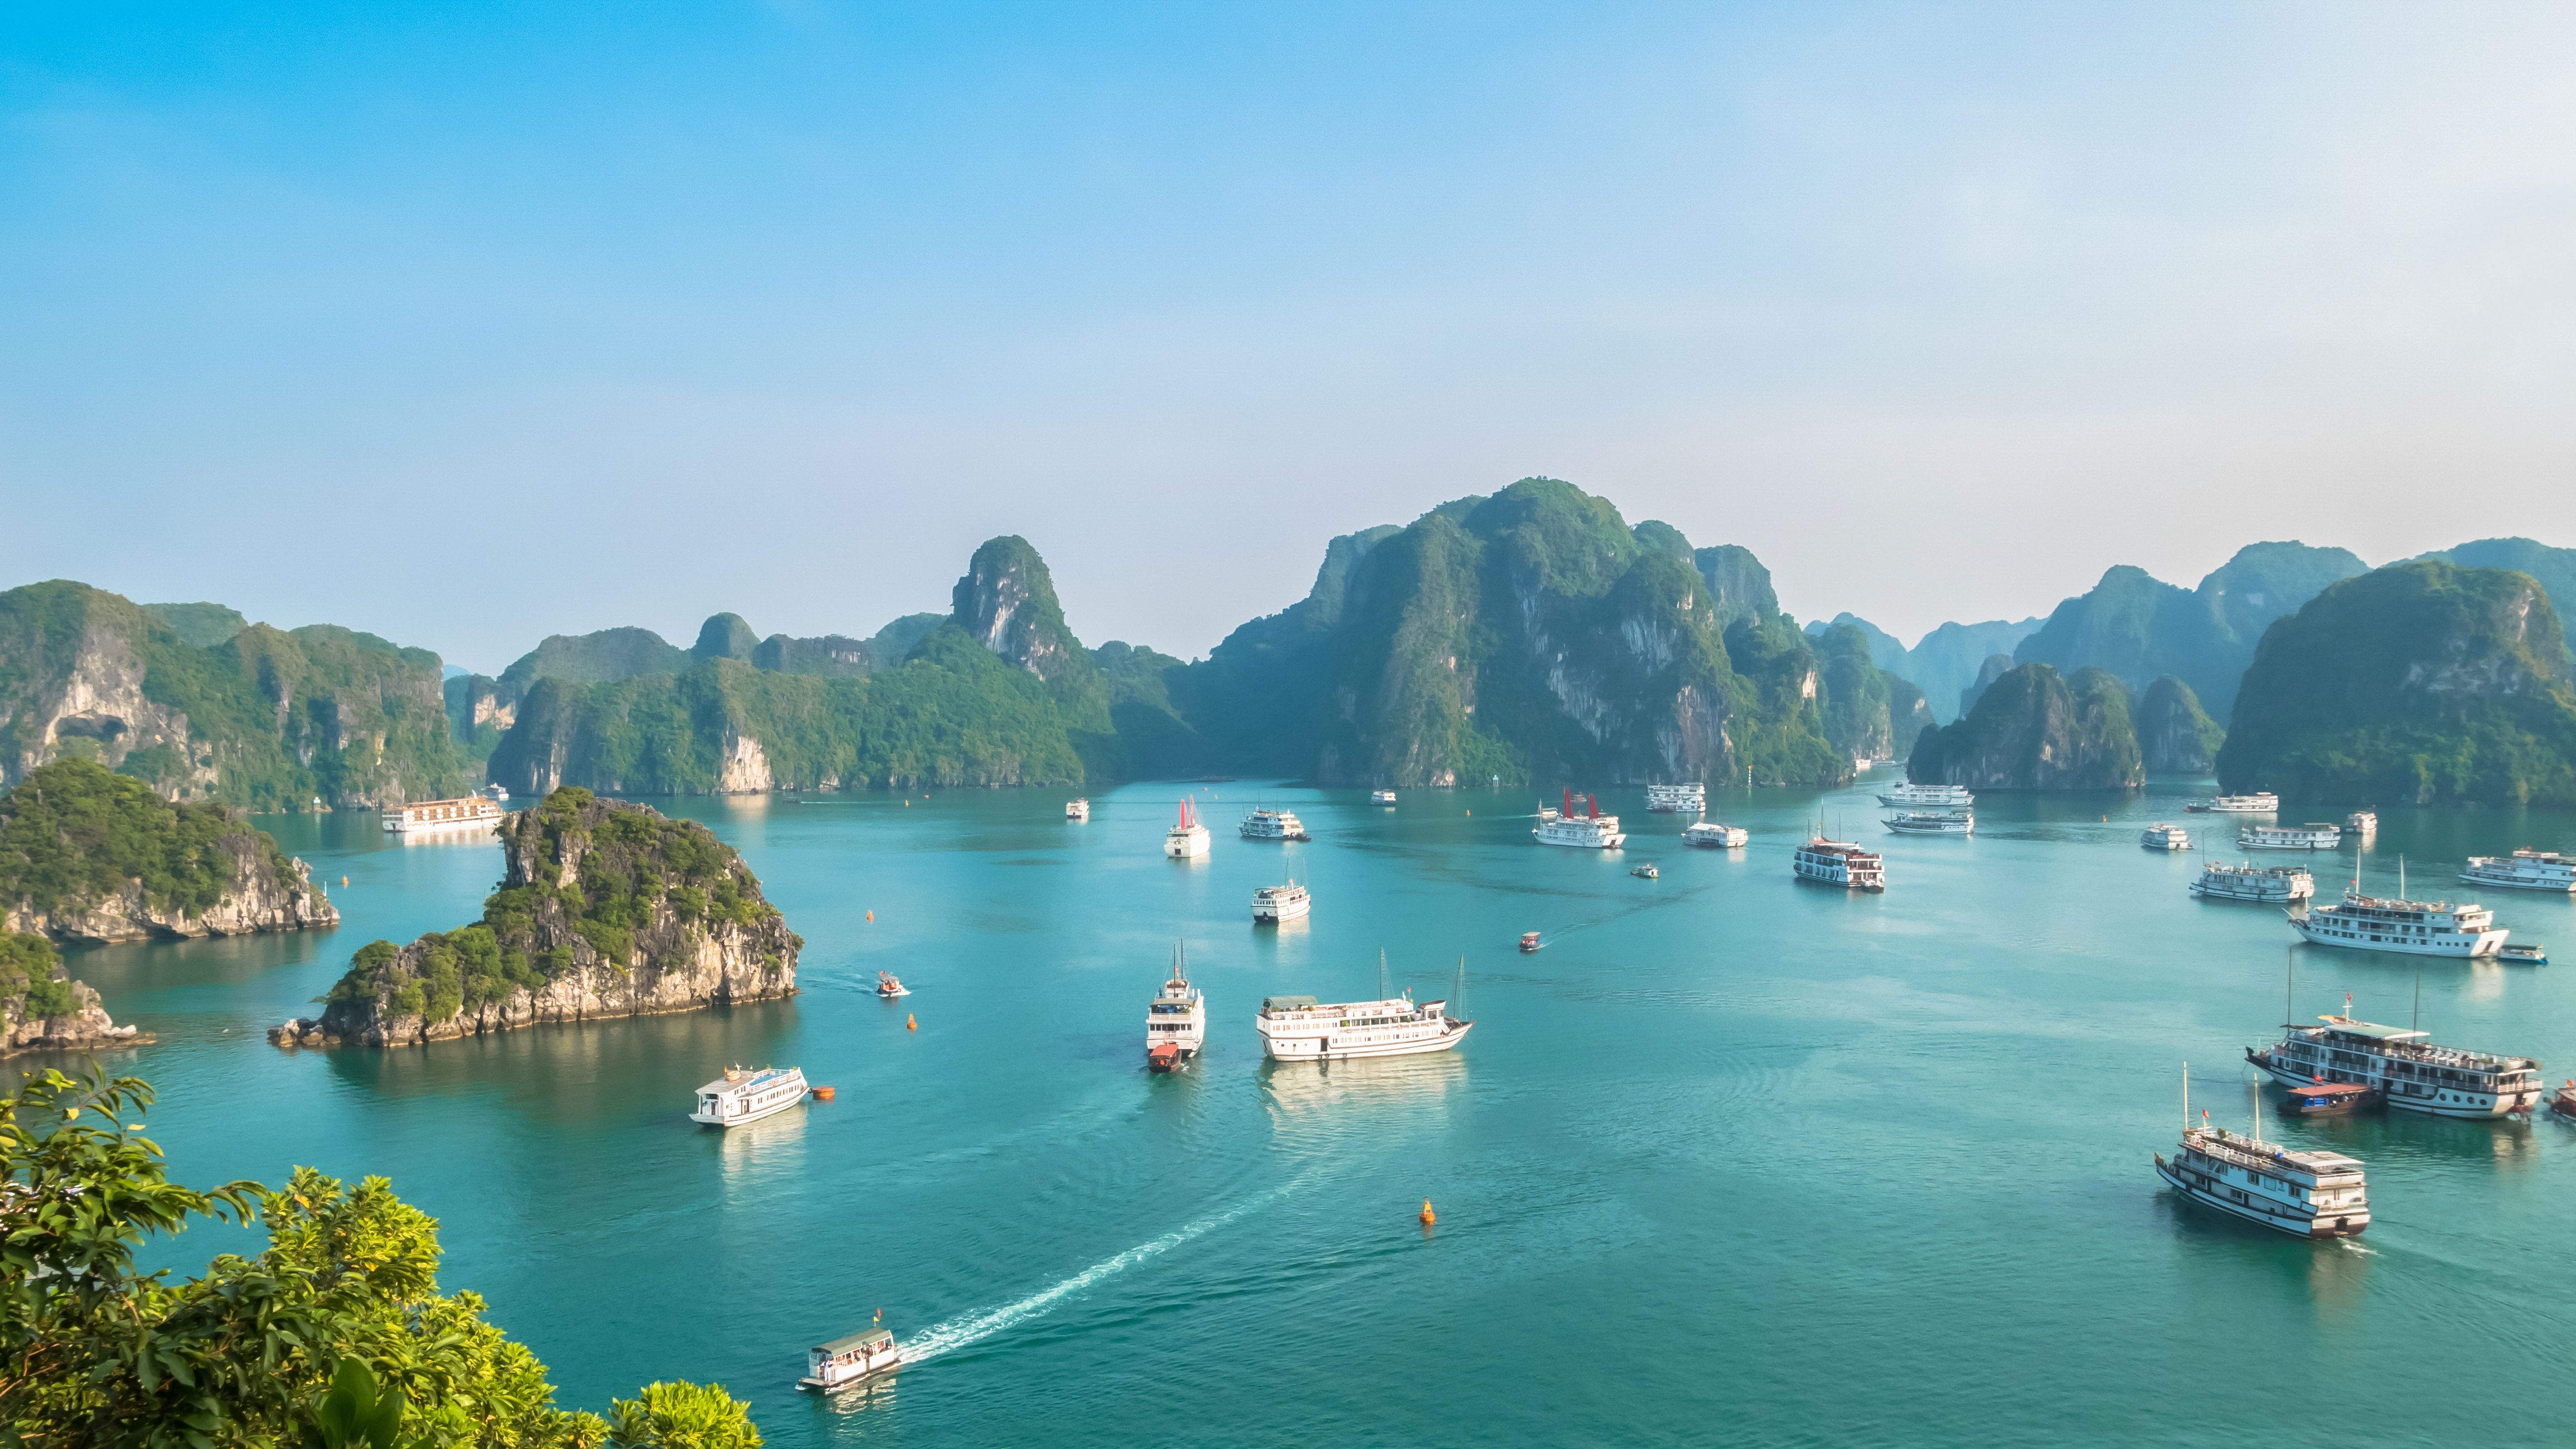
(335, 1334)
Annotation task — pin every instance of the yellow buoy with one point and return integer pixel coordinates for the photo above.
(1428, 1217)
(909, 1024)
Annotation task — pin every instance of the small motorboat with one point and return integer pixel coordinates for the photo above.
(1162, 1057)
(845, 1361)
(2533, 954)
(2563, 1101)
(889, 988)
(1529, 941)
(1645, 872)
(2329, 1099)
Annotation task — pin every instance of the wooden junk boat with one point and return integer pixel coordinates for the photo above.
(844, 1361)
(2329, 1099)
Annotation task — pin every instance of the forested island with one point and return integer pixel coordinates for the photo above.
(608, 909)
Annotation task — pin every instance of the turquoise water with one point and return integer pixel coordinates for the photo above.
(1731, 1161)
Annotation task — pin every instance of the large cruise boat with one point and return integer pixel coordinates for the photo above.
(741, 1096)
(1187, 840)
(1710, 835)
(2261, 802)
(1840, 863)
(2313, 1194)
(1933, 797)
(2161, 836)
(1932, 822)
(1274, 825)
(423, 817)
(2524, 870)
(2315, 835)
(2413, 928)
(2277, 885)
(1301, 1029)
(1274, 904)
(1676, 799)
(1175, 1022)
(1591, 830)
(2402, 1068)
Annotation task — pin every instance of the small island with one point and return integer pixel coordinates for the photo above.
(608, 909)
(43, 1009)
(87, 854)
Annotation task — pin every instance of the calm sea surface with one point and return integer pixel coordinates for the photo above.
(1732, 1161)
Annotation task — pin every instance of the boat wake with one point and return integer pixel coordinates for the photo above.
(957, 1333)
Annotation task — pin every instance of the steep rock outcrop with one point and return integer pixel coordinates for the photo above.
(42, 1009)
(2036, 730)
(2424, 682)
(87, 855)
(1945, 663)
(607, 910)
(725, 636)
(2175, 736)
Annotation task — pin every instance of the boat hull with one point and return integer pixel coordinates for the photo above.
(1265, 913)
(2256, 1209)
(2508, 882)
(2315, 927)
(1321, 1049)
(2401, 1095)
(763, 1115)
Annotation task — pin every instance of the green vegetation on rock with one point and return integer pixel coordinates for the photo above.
(596, 658)
(2033, 729)
(344, 1296)
(73, 835)
(2175, 736)
(2418, 683)
(32, 981)
(201, 625)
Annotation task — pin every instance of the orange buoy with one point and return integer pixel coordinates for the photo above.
(822, 1094)
(872, 915)
(1471, 812)
(344, 882)
(1428, 1217)
(909, 1024)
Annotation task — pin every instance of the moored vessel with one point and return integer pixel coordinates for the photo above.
(2276, 885)
(2315, 835)
(2413, 928)
(1591, 830)
(1932, 822)
(1175, 1021)
(2400, 1065)
(844, 1361)
(1187, 840)
(2524, 870)
(425, 817)
(2312, 1194)
(1710, 835)
(1676, 799)
(1077, 809)
(2363, 823)
(2329, 1099)
(1932, 797)
(1266, 824)
(2261, 802)
(2523, 953)
(741, 1096)
(1839, 863)
(1381, 797)
(2161, 836)
(1645, 872)
(1273, 904)
(1302, 1029)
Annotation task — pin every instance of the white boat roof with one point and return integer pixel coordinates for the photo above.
(741, 1081)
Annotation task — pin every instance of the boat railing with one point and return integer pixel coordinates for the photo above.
(2259, 1155)
(2432, 1055)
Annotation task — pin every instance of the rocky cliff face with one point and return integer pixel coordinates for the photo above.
(2423, 682)
(2174, 735)
(607, 910)
(1007, 602)
(255, 899)
(73, 661)
(2034, 730)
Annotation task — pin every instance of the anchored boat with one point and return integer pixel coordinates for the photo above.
(1274, 825)
(1676, 799)
(1274, 904)
(1840, 863)
(1077, 809)
(2161, 836)
(741, 1096)
(1709, 835)
(2524, 870)
(2413, 928)
(2277, 885)
(1936, 797)
(2316, 835)
(1591, 830)
(1302, 1029)
(2262, 802)
(2402, 1067)
(1932, 822)
(1187, 840)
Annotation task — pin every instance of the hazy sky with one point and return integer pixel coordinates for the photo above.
(471, 324)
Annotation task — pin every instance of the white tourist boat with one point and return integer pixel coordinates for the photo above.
(1175, 1021)
(2161, 836)
(845, 1361)
(1301, 1029)
(2273, 885)
(742, 1095)
(1273, 904)
(1187, 840)
(2315, 835)
(1840, 863)
(1929, 797)
(2307, 1194)
(1932, 822)
(1710, 835)
(2413, 928)
(1591, 830)
(2402, 1067)
(1077, 809)
(1267, 824)
(2524, 870)
(1381, 797)
(1676, 799)
(1861, 764)
(2262, 802)
(2363, 823)
(497, 794)
(425, 817)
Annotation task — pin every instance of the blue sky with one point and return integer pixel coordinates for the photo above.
(470, 324)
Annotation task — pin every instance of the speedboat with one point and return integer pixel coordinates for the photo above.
(1645, 872)
(889, 988)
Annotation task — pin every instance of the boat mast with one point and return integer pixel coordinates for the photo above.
(1458, 991)
(1381, 973)
(2289, 976)
(2186, 1096)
